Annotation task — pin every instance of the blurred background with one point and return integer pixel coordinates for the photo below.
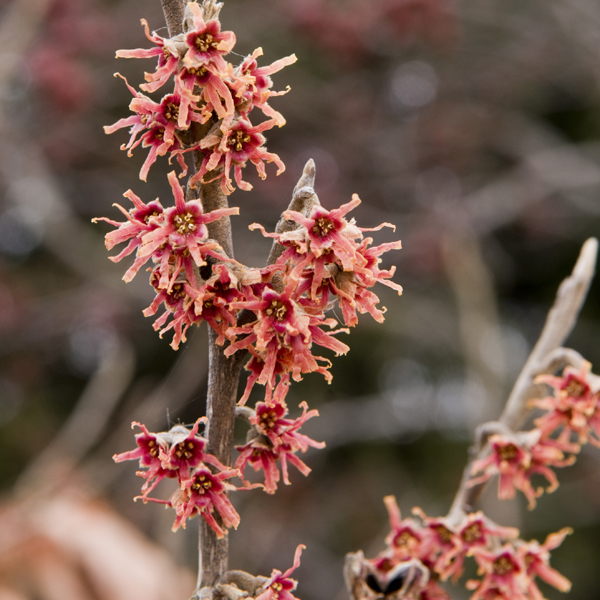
(473, 126)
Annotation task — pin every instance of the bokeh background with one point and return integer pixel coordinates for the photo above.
(473, 126)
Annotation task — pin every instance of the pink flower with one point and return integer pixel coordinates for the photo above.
(152, 447)
(280, 586)
(140, 220)
(504, 574)
(573, 404)
(168, 60)
(516, 458)
(241, 143)
(158, 122)
(202, 494)
(207, 44)
(536, 558)
(187, 451)
(255, 84)
(214, 91)
(283, 335)
(184, 225)
(277, 440)
(406, 535)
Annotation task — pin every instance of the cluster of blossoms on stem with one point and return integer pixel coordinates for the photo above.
(325, 258)
(570, 419)
(207, 91)
(180, 454)
(421, 551)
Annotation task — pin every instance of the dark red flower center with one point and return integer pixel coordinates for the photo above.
(185, 450)
(444, 533)
(152, 449)
(406, 537)
(503, 565)
(184, 223)
(202, 484)
(278, 309)
(237, 139)
(322, 226)
(575, 389)
(177, 291)
(171, 111)
(508, 452)
(472, 533)
(205, 42)
(268, 419)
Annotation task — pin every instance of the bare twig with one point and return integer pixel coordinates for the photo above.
(546, 353)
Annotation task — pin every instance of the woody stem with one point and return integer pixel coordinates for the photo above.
(223, 372)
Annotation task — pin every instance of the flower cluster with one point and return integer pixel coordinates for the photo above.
(571, 418)
(207, 91)
(180, 453)
(326, 258)
(507, 564)
(273, 439)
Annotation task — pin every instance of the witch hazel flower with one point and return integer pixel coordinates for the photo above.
(168, 59)
(516, 458)
(228, 283)
(504, 574)
(573, 406)
(256, 83)
(184, 225)
(282, 336)
(205, 41)
(172, 453)
(280, 586)
(275, 440)
(155, 124)
(236, 146)
(202, 494)
(536, 558)
(150, 451)
(140, 220)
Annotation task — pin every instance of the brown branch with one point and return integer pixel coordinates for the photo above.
(559, 323)
(174, 11)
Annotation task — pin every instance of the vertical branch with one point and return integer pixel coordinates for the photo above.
(223, 378)
(223, 373)
(173, 11)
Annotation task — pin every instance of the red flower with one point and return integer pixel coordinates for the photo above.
(241, 143)
(504, 573)
(254, 84)
(280, 586)
(184, 225)
(202, 494)
(152, 447)
(536, 557)
(206, 42)
(168, 59)
(516, 458)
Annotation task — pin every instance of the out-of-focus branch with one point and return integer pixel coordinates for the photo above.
(547, 351)
(559, 324)
(477, 311)
(85, 424)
